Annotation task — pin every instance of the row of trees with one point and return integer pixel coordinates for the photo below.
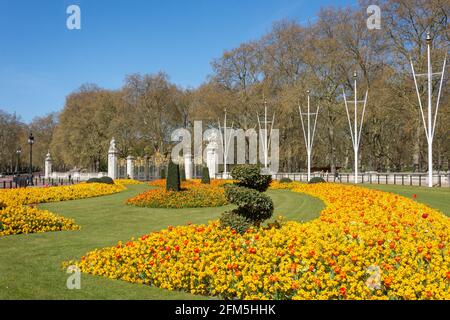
(280, 66)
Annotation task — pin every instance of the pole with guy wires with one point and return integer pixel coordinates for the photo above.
(430, 127)
(355, 132)
(226, 140)
(308, 135)
(264, 134)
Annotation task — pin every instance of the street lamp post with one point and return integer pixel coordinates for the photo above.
(18, 152)
(31, 142)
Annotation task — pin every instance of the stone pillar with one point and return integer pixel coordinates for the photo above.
(211, 161)
(130, 167)
(112, 159)
(188, 166)
(48, 165)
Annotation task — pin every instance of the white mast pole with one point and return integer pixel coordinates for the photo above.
(309, 140)
(430, 128)
(355, 129)
(309, 137)
(429, 124)
(225, 145)
(265, 135)
(355, 132)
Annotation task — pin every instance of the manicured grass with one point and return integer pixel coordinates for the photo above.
(438, 198)
(30, 265)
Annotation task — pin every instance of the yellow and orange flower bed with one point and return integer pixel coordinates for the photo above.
(126, 182)
(194, 194)
(366, 244)
(18, 217)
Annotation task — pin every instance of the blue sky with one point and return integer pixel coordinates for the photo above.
(41, 61)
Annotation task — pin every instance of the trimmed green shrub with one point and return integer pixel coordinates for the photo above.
(93, 180)
(205, 175)
(163, 173)
(106, 180)
(249, 176)
(235, 221)
(182, 174)
(316, 180)
(173, 177)
(285, 180)
(252, 204)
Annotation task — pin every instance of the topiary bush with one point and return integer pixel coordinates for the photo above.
(235, 221)
(182, 174)
(93, 180)
(163, 173)
(252, 204)
(285, 180)
(205, 175)
(249, 176)
(173, 177)
(316, 180)
(106, 180)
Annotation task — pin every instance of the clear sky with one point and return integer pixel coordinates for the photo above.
(41, 61)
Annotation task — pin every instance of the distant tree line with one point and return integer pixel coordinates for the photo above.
(280, 66)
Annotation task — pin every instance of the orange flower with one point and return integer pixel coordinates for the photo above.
(388, 281)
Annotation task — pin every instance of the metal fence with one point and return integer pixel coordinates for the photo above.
(24, 182)
(404, 179)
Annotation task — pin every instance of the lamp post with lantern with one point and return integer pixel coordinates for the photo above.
(18, 152)
(31, 142)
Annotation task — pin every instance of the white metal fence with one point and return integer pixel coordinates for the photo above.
(405, 179)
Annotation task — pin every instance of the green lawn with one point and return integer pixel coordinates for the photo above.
(30, 265)
(438, 198)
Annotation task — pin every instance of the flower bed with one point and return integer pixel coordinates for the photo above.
(366, 244)
(193, 195)
(24, 219)
(18, 217)
(126, 182)
(24, 196)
